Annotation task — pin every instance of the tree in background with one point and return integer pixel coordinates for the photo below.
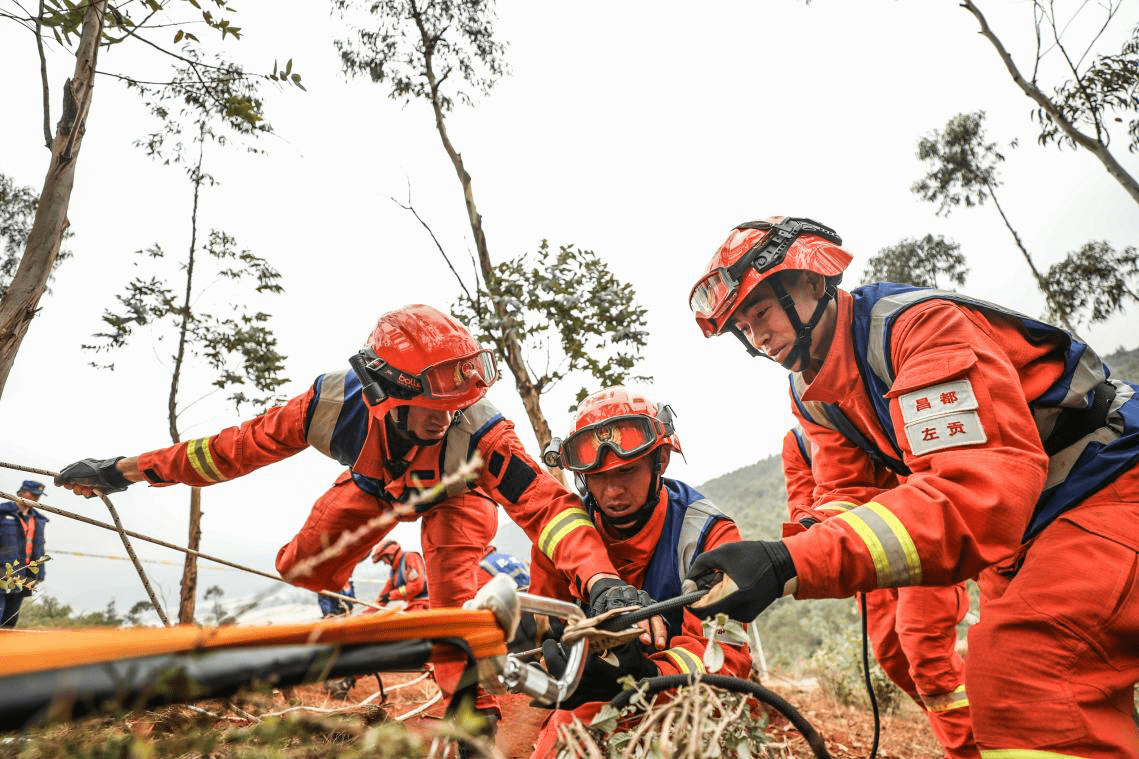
(84, 29)
(1088, 286)
(1108, 85)
(17, 210)
(568, 297)
(236, 343)
(962, 171)
(928, 262)
(1093, 283)
(445, 52)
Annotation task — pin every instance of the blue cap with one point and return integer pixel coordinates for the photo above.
(33, 487)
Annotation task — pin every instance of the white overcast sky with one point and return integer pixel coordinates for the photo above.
(641, 130)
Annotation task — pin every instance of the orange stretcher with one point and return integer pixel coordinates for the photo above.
(49, 676)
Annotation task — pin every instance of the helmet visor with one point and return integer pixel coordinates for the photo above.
(457, 377)
(712, 293)
(626, 436)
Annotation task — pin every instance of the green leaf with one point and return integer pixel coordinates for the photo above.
(178, 36)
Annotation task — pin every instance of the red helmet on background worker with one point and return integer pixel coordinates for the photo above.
(755, 252)
(419, 356)
(613, 427)
(388, 551)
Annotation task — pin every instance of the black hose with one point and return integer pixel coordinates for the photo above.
(736, 685)
(869, 685)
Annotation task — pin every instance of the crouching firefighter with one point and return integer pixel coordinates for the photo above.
(407, 411)
(408, 578)
(652, 528)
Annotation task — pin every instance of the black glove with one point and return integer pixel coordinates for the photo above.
(599, 679)
(93, 473)
(610, 593)
(761, 569)
(384, 598)
(808, 522)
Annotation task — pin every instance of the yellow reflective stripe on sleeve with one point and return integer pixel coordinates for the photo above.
(1024, 753)
(891, 548)
(561, 525)
(688, 662)
(838, 506)
(198, 452)
(943, 702)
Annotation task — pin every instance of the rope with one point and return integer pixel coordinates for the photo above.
(173, 547)
(118, 528)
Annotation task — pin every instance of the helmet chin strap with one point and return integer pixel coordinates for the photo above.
(801, 350)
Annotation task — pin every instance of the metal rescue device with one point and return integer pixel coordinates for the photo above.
(500, 674)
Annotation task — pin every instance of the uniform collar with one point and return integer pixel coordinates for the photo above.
(838, 375)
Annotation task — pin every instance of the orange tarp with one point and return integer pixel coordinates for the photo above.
(27, 651)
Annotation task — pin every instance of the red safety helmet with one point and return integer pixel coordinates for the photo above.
(388, 551)
(627, 424)
(755, 251)
(419, 356)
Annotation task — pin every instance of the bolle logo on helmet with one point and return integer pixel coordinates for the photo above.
(411, 382)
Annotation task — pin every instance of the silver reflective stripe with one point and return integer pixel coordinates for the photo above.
(459, 437)
(885, 308)
(697, 515)
(1060, 464)
(328, 407)
(814, 409)
(1087, 374)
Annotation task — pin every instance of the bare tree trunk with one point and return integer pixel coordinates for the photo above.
(527, 389)
(187, 598)
(1095, 147)
(189, 587)
(20, 303)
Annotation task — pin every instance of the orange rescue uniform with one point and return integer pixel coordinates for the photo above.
(458, 521)
(632, 558)
(1053, 660)
(913, 630)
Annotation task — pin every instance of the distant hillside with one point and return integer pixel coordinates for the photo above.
(755, 496)
(1124, 364)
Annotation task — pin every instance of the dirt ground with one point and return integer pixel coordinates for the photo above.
(848, 732)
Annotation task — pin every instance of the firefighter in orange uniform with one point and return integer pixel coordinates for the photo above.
(913, 631)
(408, 411)
(408, 580)
(652, 528)
(1012, 446)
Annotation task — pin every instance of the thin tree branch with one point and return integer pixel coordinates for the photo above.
(134, 29)
(438, 246)
(1100, 135)
(1097, 149)
(43, 76)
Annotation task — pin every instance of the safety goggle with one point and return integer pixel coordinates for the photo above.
(448, 380)
(712, 294)
(626, 436)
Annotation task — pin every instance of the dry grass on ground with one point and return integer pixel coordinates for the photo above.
(253, 727)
